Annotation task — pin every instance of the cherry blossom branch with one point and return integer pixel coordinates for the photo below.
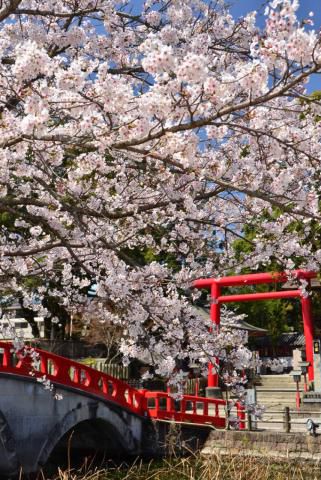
(223, 112)
(9, 9)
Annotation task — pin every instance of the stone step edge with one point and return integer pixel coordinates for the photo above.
(276, 389)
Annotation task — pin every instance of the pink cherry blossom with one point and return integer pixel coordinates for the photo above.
(136, 148)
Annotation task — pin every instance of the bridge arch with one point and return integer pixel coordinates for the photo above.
(103, 427)
(9, 463)
(92, 401)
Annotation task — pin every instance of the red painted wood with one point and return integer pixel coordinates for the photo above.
(215, 314)
(258, 278)
(308, 333)
(248, 297)
(65, 372)
(241, 416)
(252, 279)
(187, 409)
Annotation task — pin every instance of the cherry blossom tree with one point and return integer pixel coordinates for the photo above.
(99, 328)
(163, 131)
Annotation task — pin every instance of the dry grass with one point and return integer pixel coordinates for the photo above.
(195, 467)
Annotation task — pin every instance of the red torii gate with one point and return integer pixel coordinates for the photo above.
(215, 285)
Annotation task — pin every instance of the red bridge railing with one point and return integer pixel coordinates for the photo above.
(191, 409)
(57, 370)
(63, 371)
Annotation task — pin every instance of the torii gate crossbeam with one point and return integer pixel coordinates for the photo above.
(215, 285)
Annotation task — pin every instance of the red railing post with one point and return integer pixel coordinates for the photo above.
(143, 402)
(205, 407)
(241, 415)
(6, 362)
(157, 405)
(169, 401)
(76, 375)
(197, 387)
(43, 364)
(130, 399)
(104, 385)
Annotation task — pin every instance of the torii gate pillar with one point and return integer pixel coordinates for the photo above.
(215, 285)
(213, 389)
(306, 306)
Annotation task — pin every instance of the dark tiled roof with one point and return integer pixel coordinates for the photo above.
(293, 340)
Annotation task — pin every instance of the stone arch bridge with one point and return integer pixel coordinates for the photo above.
(98, 413)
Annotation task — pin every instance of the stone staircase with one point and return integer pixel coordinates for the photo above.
(276, 392)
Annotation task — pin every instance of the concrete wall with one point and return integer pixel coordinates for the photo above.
(277, 445)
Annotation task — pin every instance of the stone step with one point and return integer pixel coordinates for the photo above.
(276, 392)
(276, 380)
(276, 404)
(282, 402)
(277, 389)
(281, 398)
(290, 386)
(281, 385)
(285, 383)
(286, 378)
(276, 407)
(274, 397)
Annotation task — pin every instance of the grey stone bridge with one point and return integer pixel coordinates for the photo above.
(98, 415)
(33, 424)
(35, 427)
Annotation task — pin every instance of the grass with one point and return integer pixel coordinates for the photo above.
(196, 467)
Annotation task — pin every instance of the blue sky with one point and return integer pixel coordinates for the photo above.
(242, 7)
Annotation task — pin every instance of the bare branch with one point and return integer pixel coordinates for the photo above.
(9, 9)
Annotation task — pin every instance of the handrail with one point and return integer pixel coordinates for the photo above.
(187, 408)
(57, 370)
(63, 371)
